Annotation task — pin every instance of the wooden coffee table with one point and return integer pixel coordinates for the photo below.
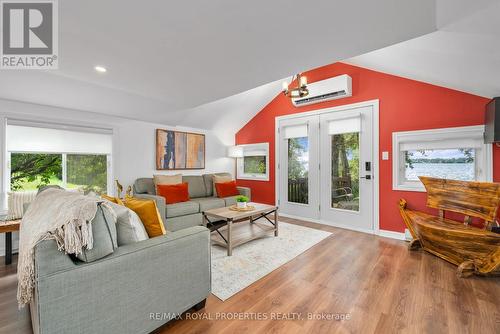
(233, 228)
(7, 227)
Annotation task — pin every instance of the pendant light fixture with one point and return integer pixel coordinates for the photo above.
(300, 90)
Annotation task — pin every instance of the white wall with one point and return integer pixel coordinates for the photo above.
(133, 143)
(137, 152)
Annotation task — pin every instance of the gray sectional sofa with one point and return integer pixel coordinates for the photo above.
(186, 214)
(120, 289)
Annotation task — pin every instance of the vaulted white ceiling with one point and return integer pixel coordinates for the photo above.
(165, 58)
(463, 54)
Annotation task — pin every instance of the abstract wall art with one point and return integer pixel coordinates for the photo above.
(179, 150)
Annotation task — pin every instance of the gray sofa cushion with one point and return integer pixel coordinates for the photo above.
(144, 185)
(207, 179)
(196, 185)
(209, 182)
(182, 208)
(208, 203)
(178, 223)
(104, 234)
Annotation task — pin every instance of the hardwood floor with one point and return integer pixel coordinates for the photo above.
(381, 286)
(12, 320)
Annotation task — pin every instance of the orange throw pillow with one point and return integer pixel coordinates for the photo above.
(226, 189)
(173, 193)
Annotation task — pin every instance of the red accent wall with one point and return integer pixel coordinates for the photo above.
(404, 105)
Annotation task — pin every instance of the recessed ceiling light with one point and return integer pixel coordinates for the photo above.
(100, 69)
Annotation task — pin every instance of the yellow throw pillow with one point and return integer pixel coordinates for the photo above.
(148, 212)
(112, 199)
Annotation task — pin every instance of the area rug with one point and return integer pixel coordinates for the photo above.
(257, 258)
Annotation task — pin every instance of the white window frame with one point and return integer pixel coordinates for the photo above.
(483, 157)
(240, 174)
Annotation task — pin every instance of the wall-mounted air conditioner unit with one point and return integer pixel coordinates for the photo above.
(326, 90)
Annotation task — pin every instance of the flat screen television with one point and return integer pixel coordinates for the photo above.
(492, 122)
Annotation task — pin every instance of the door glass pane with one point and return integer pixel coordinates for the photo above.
(87, 171)
(298, 170)
(30, 171)
(345, 171)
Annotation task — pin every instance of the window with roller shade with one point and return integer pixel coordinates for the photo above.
(72, 157)
(254, 162)
(450, 153)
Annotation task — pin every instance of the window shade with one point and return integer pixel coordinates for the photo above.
(441, 144)
(296, 131)
(248, 150)
(254, 152)
(22, 138)
(235, 151)
(345, 125)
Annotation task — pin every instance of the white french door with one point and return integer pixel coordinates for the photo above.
(347, 164)
(326, 167)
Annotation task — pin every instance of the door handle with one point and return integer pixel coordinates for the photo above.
(368, 177)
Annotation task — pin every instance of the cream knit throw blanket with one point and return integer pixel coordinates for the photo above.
(54, 214)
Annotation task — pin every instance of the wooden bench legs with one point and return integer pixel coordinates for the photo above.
(414, 245)
(466, 269)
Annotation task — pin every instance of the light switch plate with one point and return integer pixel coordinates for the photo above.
(385, 155)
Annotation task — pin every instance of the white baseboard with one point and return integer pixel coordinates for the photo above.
(381, 233)
(281, 214)
(348, 227)
(392, 235)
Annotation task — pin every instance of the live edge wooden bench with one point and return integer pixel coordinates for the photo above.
(474, 250)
